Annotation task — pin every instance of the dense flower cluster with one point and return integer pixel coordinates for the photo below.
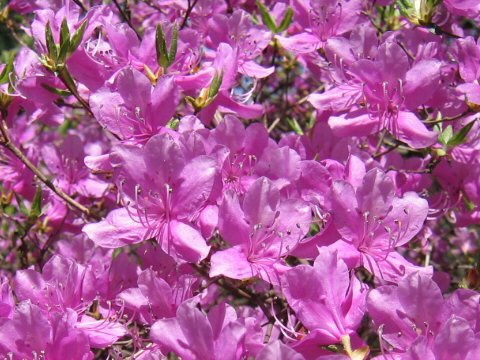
(204, 179)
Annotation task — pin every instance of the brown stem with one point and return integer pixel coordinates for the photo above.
(7, 143)
(127, 19)
(190, 7)
(153, 6)
(229, 7)
(268, 333)
(390, 149)
(368, 14)
(241, 292)
(81, 5)
(380, 140)
(406, 51)
(446, 119)
(68, 81)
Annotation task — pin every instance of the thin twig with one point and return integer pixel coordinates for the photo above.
(274, 124)
(390, 149)
(81, 5)
(62, 76)
(229, 7)
(11, 26)
(7, 143)
(372, 21)
(268, 333)
(153, 6)
(406, 51)
(305, 98)
(241, 292)
(127, 19)
(446, 119)
(190, 7)
(380, 140)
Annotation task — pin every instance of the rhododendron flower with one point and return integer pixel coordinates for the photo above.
(263, 229)
(244, 37)
(373, 222)
(193, 335)
(135, 116)
(244, 148)
(387, 89)
(324, 19)
(226, 64)
(240, 179)
(62, 284)
(463, 7)
(163, 193)
(30, 334)
(331, 306)
(415, 320)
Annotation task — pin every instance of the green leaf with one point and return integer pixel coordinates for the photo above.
(286, 21)
(295, 126)
(10, 210)
(21, 204)
(64, 50)
(64, 32)
(77, 37)
(172, 356)
(5, 75)
(161, 46)
(266, 17)
(173, 124)
(51, 46)
(173, 45)
(446, 135)
(405, 5)
(215, 85)
(65, 126)
(36, 208)
(57, 91)
(64, 41)
(468, 203)
(311, 121)
(116, 252)
(460, 136)
(68, 80)
(314, 229)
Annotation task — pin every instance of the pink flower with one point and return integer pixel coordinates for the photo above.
(331, 306)
(164, 193)
(135, 116)
(382, 94)
(193, 335)
(263, 229)
(415, 321)
(373, 222)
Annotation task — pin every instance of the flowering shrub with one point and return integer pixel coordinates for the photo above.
(203, 179)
